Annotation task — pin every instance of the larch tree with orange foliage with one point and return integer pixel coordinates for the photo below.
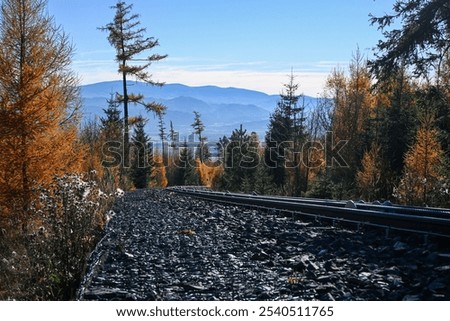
(420, 184)
(38, 98)
(353, 103)
(158, 176)
(369, 178)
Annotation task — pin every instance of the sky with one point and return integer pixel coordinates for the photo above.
(252, 44)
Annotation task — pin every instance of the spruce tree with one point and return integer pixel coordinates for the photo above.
(322, 186)
(262, 180)
(186, 172)
(398, 121)
(141, 163)
(421, 41)
(112, 137)
(284, 139)
(162, 137)
(277, 142)
(173, 135)
(241, 159)
(111, 124)
(202, 153)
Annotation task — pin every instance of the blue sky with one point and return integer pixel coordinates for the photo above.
(230, 43)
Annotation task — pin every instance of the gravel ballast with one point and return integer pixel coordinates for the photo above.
(162, 246)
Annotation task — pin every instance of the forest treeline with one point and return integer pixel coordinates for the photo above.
(380, 131)
(383, 141)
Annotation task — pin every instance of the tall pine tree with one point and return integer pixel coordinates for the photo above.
(128, 39)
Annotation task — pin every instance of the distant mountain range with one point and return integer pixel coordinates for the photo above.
(222, 109)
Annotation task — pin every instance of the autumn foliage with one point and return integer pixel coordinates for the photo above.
(369, 178)
(37, 104)
(423, 174)
(158, 177)
(49, 215)
(208, 173)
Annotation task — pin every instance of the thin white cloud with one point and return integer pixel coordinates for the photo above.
(88, 63)
(255, 75)
(330, 63)
(94, 77)
(209, 64)
(311, 83)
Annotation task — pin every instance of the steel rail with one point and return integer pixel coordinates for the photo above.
(391, 208)
(428, 222)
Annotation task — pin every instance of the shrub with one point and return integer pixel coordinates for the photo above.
(64, 225)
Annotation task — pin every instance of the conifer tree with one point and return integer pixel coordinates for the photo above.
(443, 98)
(416, 37)
(322, 186)
(128, 39)
(162, 137)
(90, 136)
(353, 104)
(369, 178)
(202, 151)
(158, 175)
(173, 157)
(142, 161)
(38, 96)
(186, 172)
(398, 119)
(262, 181)
(174, 172)
(423, 165)
(112, 124)
(173, 135)
(421, 41)
(283, 139)
(240, 160)
(112, 137)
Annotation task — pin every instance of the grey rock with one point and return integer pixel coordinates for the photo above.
(437, 285)
(412, 297)
(350, 204)
(400, 246)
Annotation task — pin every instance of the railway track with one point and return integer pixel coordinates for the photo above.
(428, 221)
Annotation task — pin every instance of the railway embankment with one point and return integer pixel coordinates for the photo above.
(159, 245)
